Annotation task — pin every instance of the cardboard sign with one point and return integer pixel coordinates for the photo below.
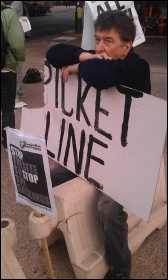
(93, 8)
(29, 167)
(109, 138)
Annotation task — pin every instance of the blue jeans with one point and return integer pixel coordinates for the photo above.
(114, 223)
(19, 84)
(8, 95)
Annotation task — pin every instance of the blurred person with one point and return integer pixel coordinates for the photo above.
(80, 17)
(14, 36)
(67, 3)
(17, 6)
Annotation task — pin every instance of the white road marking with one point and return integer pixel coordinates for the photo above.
(66, 38)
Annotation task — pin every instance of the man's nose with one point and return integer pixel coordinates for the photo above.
(100, 47)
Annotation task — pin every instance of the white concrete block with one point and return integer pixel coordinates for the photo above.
(10, 267)
(76, 202)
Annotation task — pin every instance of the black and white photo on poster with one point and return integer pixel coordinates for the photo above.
(30, 171)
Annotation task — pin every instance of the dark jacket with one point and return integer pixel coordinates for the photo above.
(132, 71)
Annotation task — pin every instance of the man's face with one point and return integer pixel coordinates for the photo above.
(110, 43)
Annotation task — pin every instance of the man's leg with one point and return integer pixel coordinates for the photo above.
(8, 94)
(19, 87)
(114, 222)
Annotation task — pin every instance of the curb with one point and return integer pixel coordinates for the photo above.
(72, 33)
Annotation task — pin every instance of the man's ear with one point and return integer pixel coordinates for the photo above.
(128, 46)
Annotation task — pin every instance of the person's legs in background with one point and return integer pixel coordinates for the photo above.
(19, 88)
(80, 27)
(114, 223)
(8, 95)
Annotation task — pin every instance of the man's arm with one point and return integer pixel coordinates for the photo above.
(98, 70)
(105, 73)
(68, 58)
(64, 55)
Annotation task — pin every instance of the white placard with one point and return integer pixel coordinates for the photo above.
(91, 11)
(25, 23)
(30, 171)
(117, 148)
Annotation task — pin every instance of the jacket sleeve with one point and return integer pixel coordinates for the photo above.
(15, 36)
(103, 74)
(63, 55)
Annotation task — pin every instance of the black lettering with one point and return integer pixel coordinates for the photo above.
(19, 187)
(35, 169)
(50, 154)
(50, 72)
(20, 171)
(47, 132)
(61, 138)
(47, 126)
(28, 193)
(80, 101)
(35, 197)
(78, 162)
(47, 201)
(17, 170)
(98, 109)
(107, 6)
(95, 183)
(128, 101)
(14, 160)
(22, 181)
(56, 87)
(30, 168)
(129, 12)
(100, 10)
(129, 92)
(17, 161)
(42, 200)
(69, 114)
(17, 178)
(120, 8)
(92, 140)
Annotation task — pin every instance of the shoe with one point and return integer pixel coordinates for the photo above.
(22, 95)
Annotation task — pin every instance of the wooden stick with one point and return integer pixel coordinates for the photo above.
(46, 251)
(48, 259)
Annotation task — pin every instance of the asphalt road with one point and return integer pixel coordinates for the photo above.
(54, 23)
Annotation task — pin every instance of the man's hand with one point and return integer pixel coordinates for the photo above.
(67, 70)
(85, 56)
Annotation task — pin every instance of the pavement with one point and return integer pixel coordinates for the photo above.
(150, 261)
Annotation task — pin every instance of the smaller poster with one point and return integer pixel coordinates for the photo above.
(30, 171)
(25, 23)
